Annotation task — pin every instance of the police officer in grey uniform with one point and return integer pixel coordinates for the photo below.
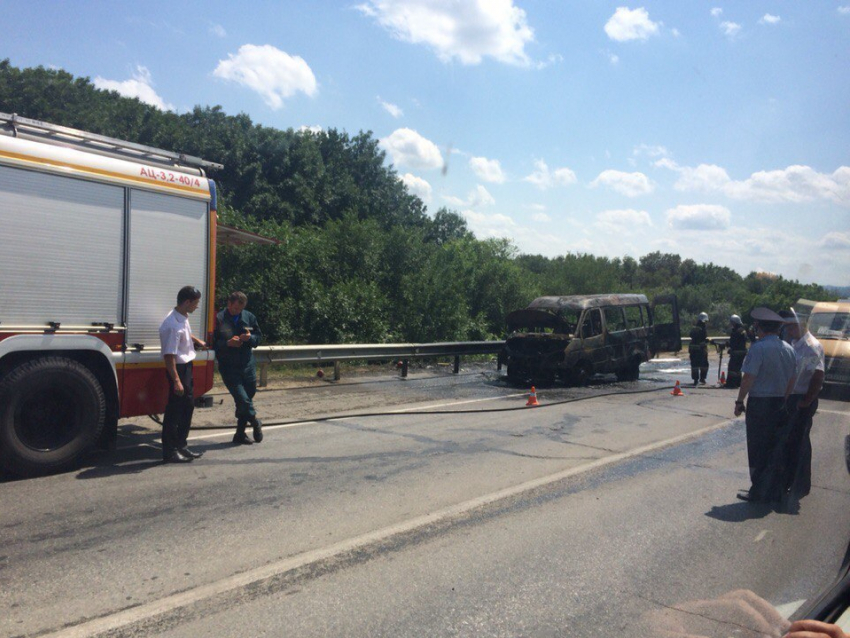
(769, 371)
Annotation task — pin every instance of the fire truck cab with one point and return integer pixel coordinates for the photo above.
(97, 236)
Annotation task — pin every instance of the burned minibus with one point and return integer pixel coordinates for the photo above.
(575, 337)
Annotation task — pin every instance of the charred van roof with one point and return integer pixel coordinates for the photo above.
(581, 302)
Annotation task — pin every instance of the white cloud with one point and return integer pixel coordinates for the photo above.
(650, 150)
(835, 241)
(272, 73)
(408, 148)
(391, 108)
(699, 217)
(541, 217)
(218, 31)
(844, 10)
(770, 19)
(487, 169)
(466, 31)
(792, 184)
(312, 129)
(628, 184)
(495, 225)
(717, 12)
(623, 220)
(730, 29)
(630, 24)
(477, 197)
(417, 186)
(613, 58)
(704, 178)
(140, 86)
(544, 178)
(554, 58)
(676, 33)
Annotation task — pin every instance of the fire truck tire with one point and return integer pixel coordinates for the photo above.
(52, 410)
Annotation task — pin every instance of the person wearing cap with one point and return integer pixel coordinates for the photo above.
(737, 351)
(698, 350)
(236, 335)
(802, 404)
(177, 344)
(768, 374)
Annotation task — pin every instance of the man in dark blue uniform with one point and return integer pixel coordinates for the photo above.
(737, 351)
(698, 350)
(236, 335)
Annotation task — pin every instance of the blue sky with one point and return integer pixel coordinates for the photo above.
(716, 130)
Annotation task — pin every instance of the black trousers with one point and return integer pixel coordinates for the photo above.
(699, 363)
(736, 360)
(766, 421)
(178, 412)
(798, 457)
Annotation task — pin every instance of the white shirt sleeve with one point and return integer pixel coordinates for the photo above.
(169, 339)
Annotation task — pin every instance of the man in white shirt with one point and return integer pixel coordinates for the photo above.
(802, 404)
(178, 349)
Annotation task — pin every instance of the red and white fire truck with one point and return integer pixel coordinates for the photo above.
(97, 236)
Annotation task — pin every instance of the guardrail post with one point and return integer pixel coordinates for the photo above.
(337, 373)
(404, 369)
(264, 375)
(457, 364)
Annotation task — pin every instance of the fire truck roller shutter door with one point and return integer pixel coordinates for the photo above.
(168, 250)
(61, 249)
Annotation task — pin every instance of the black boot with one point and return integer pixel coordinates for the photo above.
(240, 438)
(258, 429)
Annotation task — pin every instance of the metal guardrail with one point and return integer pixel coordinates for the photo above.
(334, 354)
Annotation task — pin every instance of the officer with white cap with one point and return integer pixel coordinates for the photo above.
(698, 349)
(802, 404)
(769, 371)
(737, 351)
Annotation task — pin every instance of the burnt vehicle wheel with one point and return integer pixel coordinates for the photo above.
(629, 373)
(52, 410)
(581, 374)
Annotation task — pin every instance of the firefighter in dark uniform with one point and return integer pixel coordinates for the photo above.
(236, 335)
(698, 350)
(737, 351)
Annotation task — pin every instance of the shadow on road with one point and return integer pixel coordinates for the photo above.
(130, 461)
(738, 512)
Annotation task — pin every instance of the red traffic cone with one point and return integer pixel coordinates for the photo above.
(532, 398)
(677, 391)
(722, 378)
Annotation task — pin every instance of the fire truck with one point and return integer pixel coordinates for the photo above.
(97, 235)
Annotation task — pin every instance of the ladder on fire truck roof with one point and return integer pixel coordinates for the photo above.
(102, 143)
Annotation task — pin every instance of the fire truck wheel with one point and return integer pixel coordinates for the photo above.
(52, 409)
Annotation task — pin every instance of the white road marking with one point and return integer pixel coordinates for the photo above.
(188, 597)
(839, 412)
(760, 536)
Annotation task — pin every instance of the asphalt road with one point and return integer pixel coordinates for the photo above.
(572, 519)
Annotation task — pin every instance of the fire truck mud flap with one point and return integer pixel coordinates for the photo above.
(52, 410)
